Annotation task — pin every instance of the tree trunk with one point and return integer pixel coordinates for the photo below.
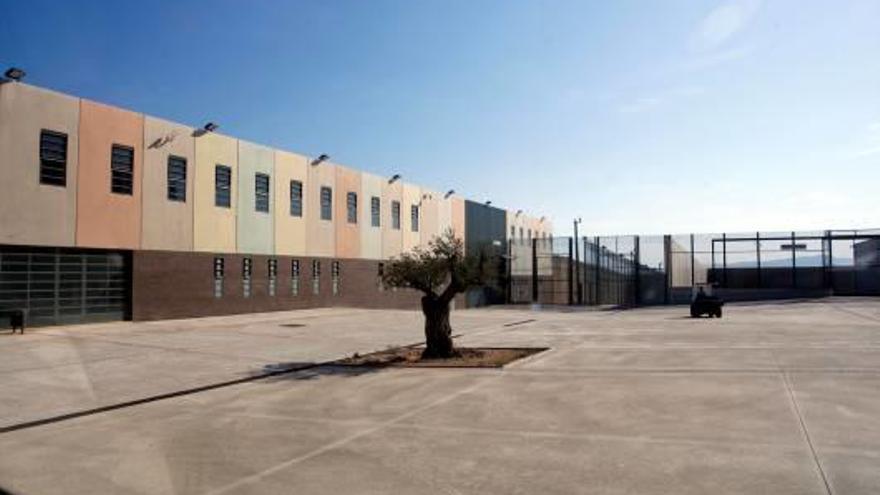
(438, 332)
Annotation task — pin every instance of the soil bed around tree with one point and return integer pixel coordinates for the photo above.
(467, 357)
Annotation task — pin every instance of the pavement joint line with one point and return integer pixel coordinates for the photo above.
(184, 350)
(712, 371)
(599, 437)
(169, 395)
(64, 365)
(852, 312)
(803, 427)
(348, 439)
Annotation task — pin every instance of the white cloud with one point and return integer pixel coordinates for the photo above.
(670, 96)
(707, 60)
(866, 152)
(641, 105)
(723, 23)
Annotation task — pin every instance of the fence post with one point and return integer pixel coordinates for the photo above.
(637, 284)
(793, 262)
(577, 271)
(535, 270)
(758, 253)
(829, 271)
(693, 263)
(510, 271)
(667, 261)
(724, 260)
(570, 271)
(598, 279)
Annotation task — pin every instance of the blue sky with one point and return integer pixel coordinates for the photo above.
(640, 117)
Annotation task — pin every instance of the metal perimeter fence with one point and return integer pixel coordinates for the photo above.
(666, 269)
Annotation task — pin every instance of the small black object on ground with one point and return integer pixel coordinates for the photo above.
(704, 303)
(16, 319)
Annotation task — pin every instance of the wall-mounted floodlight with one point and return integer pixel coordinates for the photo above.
(518, 212)
(542, 219)
(210, 127)
(449, 193)
(394, 178)
(488, 203)
(321, 159)
(15, 74)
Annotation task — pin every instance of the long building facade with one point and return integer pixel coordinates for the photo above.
(111, 214)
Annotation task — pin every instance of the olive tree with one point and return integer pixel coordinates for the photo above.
(439, 271)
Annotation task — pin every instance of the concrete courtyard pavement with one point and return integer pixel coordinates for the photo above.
(54, 371)
(779, 398)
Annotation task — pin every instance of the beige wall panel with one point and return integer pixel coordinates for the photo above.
(411, 196)
(371, 237)
(348, 235)
(430, 210)
(290, 231)
(106, 219)
(30, 212)
(444, 214)
(167, 224)
(214, 226)
(458, 217)
(392, 239)
(321, 240)
(511, 225)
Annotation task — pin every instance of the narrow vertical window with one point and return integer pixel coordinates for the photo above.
(219, 269)
(222, 186)
(122, 169)
(380, 282)
(334, 272)
(521, 235)
(326, 203)
(316, 277)
(296, 198)
(512, 233)
(273, 276)
(53, 158)
(530, 234)
(261, 192)
(414, 220)
(246, 272)
(395, 215)
(375, 213)
(294, 277)
(177, 179)
(352, 207)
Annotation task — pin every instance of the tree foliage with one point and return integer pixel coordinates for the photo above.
(440, 270)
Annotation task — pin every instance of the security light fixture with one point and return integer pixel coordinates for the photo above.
(488, 203)
(210, 127)
(449, 193)
(321, 159)
(394, 178)
(518, 212)
(15, 74)
(542, 219)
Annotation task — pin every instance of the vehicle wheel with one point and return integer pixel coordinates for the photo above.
(694, 314)
(718, 313)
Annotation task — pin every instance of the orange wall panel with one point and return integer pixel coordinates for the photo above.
(105, 219)
(348, 235)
